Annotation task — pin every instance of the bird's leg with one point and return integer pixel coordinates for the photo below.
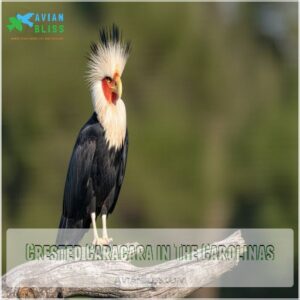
(96, 237)
(104, 240)
(104, 234)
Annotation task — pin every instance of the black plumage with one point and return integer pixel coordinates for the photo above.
(93, 182)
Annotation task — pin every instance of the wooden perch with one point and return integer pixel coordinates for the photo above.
(87, 277)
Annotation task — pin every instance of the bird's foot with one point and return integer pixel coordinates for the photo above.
(102, 241)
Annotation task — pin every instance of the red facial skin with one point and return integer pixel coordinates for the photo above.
(108, 86)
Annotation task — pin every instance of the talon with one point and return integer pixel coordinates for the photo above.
(102, 241)
(107, 240)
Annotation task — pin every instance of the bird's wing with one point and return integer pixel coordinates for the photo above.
(77, 182)
(124, 161)
(28, 15)
(121, 172)
(25, 17)
(78, 189)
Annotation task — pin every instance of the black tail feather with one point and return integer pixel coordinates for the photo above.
(71, 237)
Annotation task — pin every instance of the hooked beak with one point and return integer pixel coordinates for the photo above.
(118, 88)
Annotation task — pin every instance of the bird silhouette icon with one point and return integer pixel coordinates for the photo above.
(25, 19)
(14, 23)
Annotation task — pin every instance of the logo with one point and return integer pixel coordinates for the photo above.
(44, 23)
(18, 21)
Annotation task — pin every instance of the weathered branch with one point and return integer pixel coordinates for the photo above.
(27, 279)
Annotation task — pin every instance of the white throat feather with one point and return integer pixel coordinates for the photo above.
(112, 116)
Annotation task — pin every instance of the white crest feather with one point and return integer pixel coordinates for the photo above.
(108, 56)
(106, 62)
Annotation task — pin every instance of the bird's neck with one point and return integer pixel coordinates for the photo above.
(112, 117)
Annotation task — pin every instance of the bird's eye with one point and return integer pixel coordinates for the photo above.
(108, 79)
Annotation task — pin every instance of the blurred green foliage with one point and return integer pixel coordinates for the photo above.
(211, 96)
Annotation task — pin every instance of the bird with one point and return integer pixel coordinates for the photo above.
(98, 161)
(14, 24)
(25, 19)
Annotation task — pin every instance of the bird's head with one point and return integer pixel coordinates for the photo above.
(106, 64)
